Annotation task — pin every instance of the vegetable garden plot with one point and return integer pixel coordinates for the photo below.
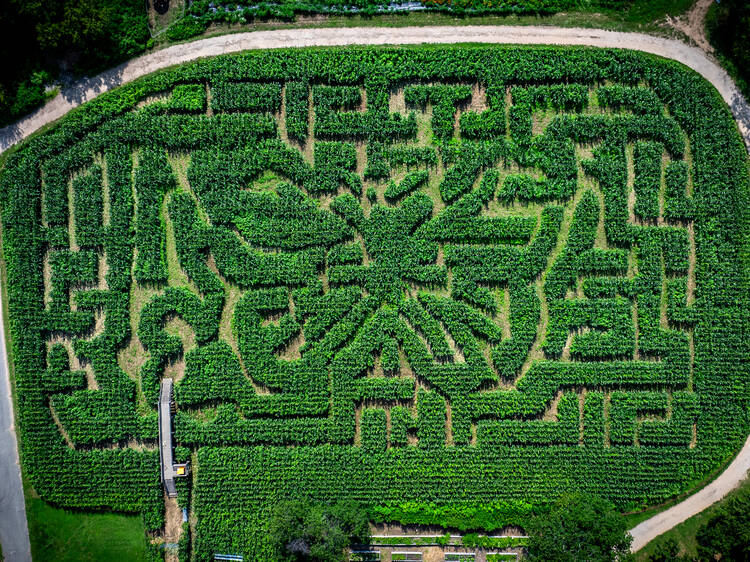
(449, 283)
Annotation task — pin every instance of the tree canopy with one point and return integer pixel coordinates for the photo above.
(727, 533)
(579, 527)
(304, 530)
(39, 38)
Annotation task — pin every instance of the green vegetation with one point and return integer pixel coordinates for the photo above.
(447, 283)
(42, 39)
(722, 528)
(728, 29)
(203, 13)
(501, 558)
(726, 535)
(62, 41)
(61, 535)
(579, 527)
(301, 530)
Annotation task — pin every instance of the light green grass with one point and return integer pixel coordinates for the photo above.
(684, 533)
(61, 535)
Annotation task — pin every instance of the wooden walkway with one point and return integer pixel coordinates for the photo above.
(165, 438)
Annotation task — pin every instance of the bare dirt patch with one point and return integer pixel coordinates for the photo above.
(172, 527)
(397, 102)
(693, 24)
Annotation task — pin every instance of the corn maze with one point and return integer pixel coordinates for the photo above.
(449, 283)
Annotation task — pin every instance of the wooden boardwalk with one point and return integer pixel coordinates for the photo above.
(165, 438)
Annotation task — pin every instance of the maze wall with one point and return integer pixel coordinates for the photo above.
(426, 279)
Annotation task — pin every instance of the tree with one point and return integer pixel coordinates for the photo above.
(666, 550)
(39, 39)
(728, 27)
(303, 530)
(727, 533)
(577, 528)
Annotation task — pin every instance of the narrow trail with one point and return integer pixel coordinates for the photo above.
(693, 24)
(12, 513)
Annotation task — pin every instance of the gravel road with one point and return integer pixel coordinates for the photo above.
(531, 35)
(14, 534)
(13, 529)
(727, 481)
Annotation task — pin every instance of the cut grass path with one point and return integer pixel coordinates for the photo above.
(61, 535)
(526, 35)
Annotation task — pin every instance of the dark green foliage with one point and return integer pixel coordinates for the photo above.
(501, 323)
(579, 527)
(728, 30)
(36, 35)
(727, 534)
(304, 530)
(667, 551)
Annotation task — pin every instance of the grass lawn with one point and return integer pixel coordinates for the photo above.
(684, 533)
(61, 535)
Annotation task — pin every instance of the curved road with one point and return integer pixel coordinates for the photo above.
(531, 35)
(14, 534)
(13, 530)
(662, 522)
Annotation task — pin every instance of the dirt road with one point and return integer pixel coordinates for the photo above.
(693, 24)
(532, 35)
(727, 481)
(13, 531)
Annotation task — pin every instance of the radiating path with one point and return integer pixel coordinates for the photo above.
(13, 531)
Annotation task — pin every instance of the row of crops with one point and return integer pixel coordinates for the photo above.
(476, 278)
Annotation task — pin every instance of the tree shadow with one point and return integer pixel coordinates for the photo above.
(741, 111)
(75, 94)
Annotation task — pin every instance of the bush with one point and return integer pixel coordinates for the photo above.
(303, 530)
(726, 535)
(579, 527)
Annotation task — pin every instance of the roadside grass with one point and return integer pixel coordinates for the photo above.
(643, 16)
(684, 533)
(720, 40)
(636, 517)
(61, 535)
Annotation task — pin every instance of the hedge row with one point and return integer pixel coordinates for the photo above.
(527, 334)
